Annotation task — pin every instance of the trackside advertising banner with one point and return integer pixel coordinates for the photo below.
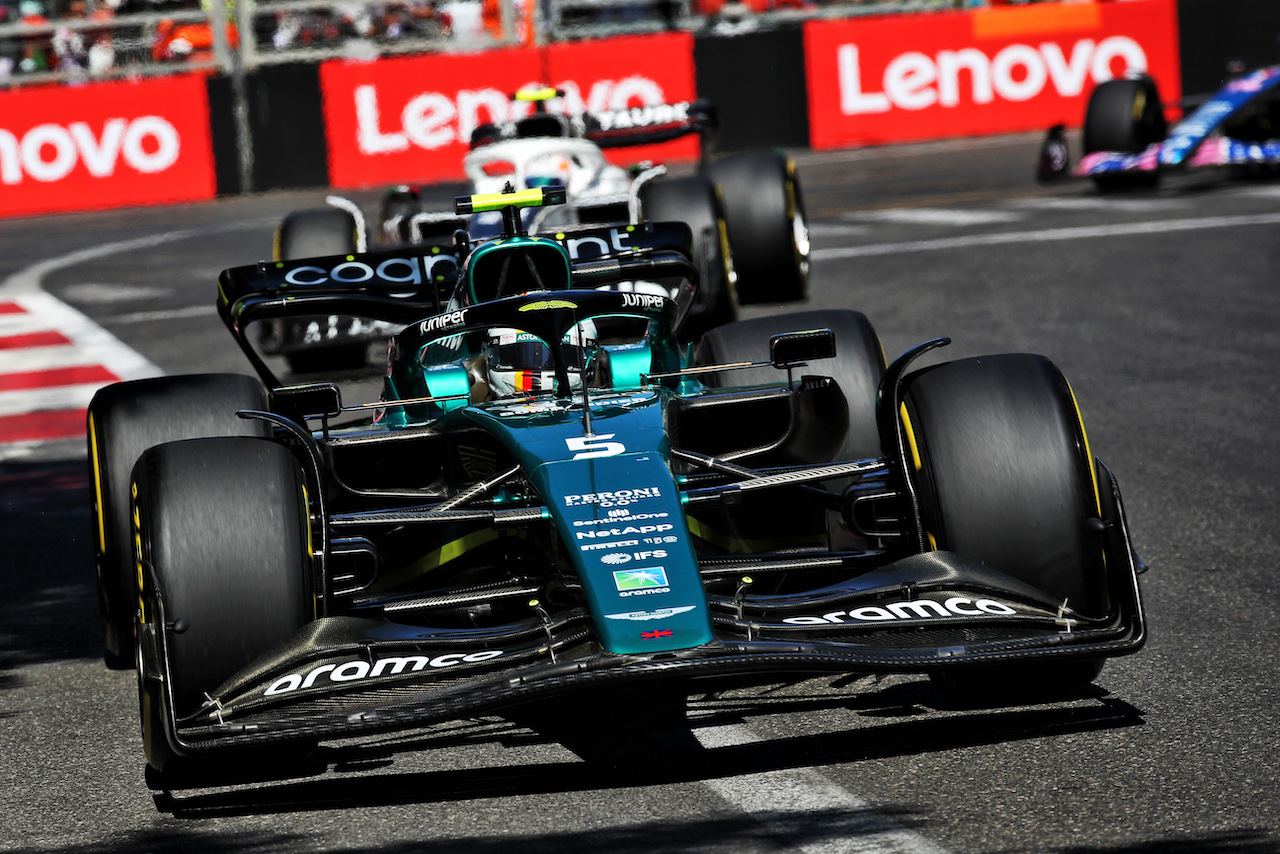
(105, 145)
(987, 71)
(410, 119)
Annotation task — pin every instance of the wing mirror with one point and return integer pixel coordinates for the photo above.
(311, 400)
(793, 349)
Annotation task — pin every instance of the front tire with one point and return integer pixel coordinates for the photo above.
(1124, 116)
(1004, 476)
(123, 421)
(225, 574)
(856, 368)
(768, 232)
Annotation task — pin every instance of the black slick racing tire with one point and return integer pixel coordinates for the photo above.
(222, 526)
(1124, 115)
(399, 206)
(123, 421)
(1004, 476)
(768, 232)
(857, 367)
(318, 233)
(695, 201)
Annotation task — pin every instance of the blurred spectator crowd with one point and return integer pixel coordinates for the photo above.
(77, 39)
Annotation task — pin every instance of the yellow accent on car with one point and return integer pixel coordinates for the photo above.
(544, 305)
(915, 461)
(97, 486)
(451, 550)
(546, 93)
(911, 437)
(306, 508)
(1088, 454)
(496, 201)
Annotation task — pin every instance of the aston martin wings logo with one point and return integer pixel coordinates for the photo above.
(660, 614)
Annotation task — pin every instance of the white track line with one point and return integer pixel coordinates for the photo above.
(1046, 235)
(1097, 203)
(46, 399)
(163, 314)
(95, 343)
(935, 216)
(91, 344)
(45, 358)
(769, 794)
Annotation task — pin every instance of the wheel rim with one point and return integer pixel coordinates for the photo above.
(800, 240)
(799, 228)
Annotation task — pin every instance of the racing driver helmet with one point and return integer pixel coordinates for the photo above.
(548, 170)
(521, 363)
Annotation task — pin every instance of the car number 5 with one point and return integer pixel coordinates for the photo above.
(594, 446)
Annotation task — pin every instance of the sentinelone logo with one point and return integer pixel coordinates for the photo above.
(1018, 72)
(49, 152)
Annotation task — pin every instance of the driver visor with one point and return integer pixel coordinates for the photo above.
(533, 356)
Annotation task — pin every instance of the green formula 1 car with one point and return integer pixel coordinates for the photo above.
(552, 497)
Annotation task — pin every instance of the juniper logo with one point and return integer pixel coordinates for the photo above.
(640, 579)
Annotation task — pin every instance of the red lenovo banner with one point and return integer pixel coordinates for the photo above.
(105, 145)
(410, 119)
(994, 70)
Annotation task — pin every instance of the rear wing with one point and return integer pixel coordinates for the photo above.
(645, 125)
(652, 124)
(405, 285)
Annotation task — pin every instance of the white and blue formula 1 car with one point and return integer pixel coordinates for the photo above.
(1127, 142)
(746, 211)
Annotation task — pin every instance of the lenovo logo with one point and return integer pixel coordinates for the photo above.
(432, 120)
(49, 152)
(1019, 72)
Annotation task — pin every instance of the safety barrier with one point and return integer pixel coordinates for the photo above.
(819, 82)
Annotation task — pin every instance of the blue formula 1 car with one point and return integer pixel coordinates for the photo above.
(552, 499)
(1127, 142)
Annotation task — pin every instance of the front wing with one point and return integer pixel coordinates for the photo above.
(345, 677)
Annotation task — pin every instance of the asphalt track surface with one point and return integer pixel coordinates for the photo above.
(1160, 307)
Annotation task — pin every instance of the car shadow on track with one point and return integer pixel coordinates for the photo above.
(795, 828)
(48, 606)
(903, 719)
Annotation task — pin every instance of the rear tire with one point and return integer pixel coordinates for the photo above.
(401, 204)
(857, 366)
(123, 421)
(695, 201)
(223, 528)
(768, 232)
(1124, 116)
(1006, 478)
(314, 234)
